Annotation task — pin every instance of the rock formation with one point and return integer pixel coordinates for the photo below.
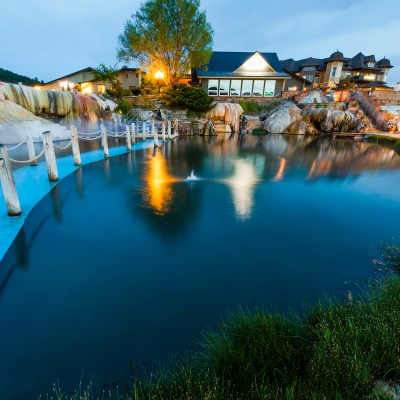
(225, 117)
(280, 118)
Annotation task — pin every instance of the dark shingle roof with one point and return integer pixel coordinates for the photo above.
(224, 63)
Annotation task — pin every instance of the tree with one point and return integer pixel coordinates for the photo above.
(345, 83)
(169, 37)
(110, 75)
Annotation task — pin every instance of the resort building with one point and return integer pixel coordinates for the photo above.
(363, 70)
(241, 75)
(84, 81)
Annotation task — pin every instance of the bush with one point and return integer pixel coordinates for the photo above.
(259, 132)
(124, 107)
(251, 107)
(194, 99)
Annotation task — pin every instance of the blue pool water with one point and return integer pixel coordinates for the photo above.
(125, 261)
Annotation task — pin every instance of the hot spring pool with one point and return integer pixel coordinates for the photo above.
(126, 261)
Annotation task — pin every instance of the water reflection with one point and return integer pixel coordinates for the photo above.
(242, 185)
(158, 192)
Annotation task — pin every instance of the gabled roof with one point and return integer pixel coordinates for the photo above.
(225, 63)
(87, 69)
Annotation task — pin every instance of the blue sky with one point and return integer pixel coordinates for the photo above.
(49, 39)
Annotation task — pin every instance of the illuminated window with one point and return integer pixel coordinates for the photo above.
(258, 88)
(235, 87)
(101, 88)
(224, 87)
(269, 89)
(213, 87)
(247, 87)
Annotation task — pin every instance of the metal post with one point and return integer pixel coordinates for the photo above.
(50, 156)
(75, 146)
(163, 132)
(128, 138)
(169, 129)
(31, 149)
(104, 141)
(133, 133)
(8, 184)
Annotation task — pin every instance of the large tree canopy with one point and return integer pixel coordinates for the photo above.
(169, 36)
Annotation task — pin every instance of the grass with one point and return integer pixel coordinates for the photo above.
(333, 350)
(251, 107)
(388, 141)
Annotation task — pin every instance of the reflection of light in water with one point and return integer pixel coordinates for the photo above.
(158, 192)
(242, 185)
(312, 169)
(281, 170)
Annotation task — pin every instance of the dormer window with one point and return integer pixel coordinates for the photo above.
(309, 69)
(370, 64)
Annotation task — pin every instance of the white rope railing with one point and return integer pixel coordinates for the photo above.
(65, 147)
(89, 138)
(17, 145)
(28, 161)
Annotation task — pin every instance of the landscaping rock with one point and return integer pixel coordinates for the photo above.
(249, 123)
(329, 121)
(281, 118)
(226, 114)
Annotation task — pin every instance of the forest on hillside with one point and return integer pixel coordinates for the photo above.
(11, 77)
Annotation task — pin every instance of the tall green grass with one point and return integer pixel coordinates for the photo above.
(335, 349)
(387, 141)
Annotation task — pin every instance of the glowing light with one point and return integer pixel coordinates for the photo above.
(159, 75)
(37, 87)
(86, 87)
(158, 192)
(255, 63)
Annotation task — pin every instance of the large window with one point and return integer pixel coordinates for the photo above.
(247, 87)
(269, 89)
(334, 71)
(224, 87)
(258, 88)
(235, 88)
(213, 87)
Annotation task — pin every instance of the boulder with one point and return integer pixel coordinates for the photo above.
(329, 121)
(226, 114)
(281, 118)
(301, 128)
(249, 123)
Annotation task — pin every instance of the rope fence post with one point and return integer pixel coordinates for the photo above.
(8, 184)
(31, 149)
(144, 130)
(75, 146)
(133, 130)
(104, 141)
(128, 139)
(169, 129)
(115, 126)
(163, 132)
(50, 156)
(155, 135)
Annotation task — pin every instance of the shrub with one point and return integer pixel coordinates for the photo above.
(259, 132)
(251, 107)
(124, 107)
(192, 98)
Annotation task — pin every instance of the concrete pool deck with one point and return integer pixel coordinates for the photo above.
(33, 184)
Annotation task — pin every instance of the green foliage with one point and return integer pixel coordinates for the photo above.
(251, 107)
(259, 132)
(124, 107)
(169, 36)
(110, 75)
(11, 77)
(194, 99)
(148, 86)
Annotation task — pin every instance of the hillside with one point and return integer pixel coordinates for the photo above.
(11, 77)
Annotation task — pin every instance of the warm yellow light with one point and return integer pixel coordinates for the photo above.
(37, 87)
(159, 75)
(158, 192)
(86, 87)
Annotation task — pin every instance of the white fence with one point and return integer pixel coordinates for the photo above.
(146, 130)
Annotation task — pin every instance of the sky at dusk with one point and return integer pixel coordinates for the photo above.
(48, 39)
